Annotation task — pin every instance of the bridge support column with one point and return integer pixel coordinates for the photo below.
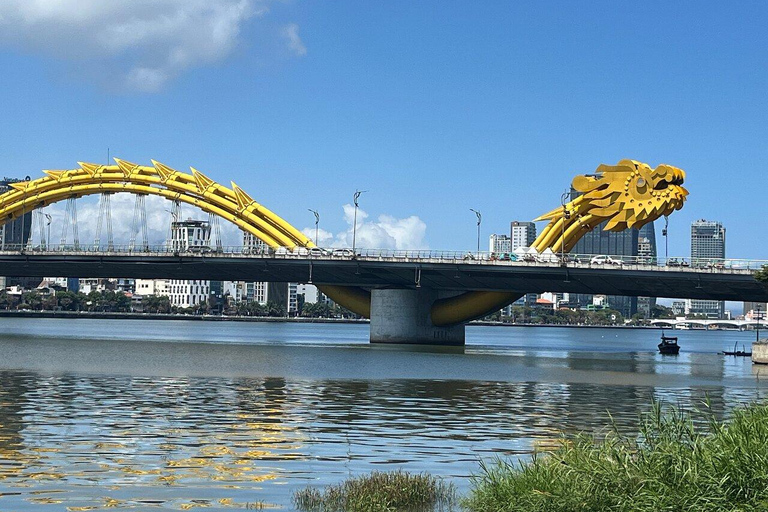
(403, 316)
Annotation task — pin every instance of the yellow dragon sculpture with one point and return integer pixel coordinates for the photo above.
(627, 195)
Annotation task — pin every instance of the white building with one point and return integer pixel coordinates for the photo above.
(500, 244)
(95, 284)
(186, 294)
(157, 287)
(312, 295)
(521, 234)
(189, 235)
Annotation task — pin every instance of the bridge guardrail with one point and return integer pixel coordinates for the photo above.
(408, 256)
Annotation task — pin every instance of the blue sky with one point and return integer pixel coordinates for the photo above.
(433, 107)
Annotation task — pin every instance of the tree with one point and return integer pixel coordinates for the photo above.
(8, 301)
(31, 300)
(69, 301)
(762, 274)
(156, 304)
(659, 311)
(275, 309)
(316, 310)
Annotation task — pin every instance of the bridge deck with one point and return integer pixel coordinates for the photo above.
(382, 271)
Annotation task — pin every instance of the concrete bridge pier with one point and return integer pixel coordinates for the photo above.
(402, 315)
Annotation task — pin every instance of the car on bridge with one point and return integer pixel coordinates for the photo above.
(603, 259)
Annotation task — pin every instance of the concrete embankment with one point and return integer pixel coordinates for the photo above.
(760, 351)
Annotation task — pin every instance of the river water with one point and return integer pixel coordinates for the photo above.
(143, 415)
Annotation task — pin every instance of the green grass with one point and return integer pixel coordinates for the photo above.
(674, 465)
(379, 492)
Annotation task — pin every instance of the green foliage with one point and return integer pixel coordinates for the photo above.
(156, 304)
(578, 317)
(317, 310)
(673, 465)
(659, 311)
(379, 492)
(275, 309)
(762, 274)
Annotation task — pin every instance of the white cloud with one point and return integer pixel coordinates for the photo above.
(138, 44)
(291, 33)
(387, 232)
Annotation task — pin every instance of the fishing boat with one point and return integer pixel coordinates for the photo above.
(736, 352)
(668, 345)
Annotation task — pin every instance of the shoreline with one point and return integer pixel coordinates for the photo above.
(302, 320)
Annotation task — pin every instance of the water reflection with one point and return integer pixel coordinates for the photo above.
(244, 414)
(94, 441)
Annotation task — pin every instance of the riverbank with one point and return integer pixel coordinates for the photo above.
(168, 316)
(232, 318)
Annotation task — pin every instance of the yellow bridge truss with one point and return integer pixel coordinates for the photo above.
(629, 194)
(234, 204)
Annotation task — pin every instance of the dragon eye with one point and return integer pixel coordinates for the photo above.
(640, 182)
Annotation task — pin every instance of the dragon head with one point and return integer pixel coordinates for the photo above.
(626, 195)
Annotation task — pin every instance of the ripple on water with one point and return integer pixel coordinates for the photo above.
(182, 443)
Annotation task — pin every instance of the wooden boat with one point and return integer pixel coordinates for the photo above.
(738, 353)
(669, 345)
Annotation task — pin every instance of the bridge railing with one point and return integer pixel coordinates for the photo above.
(418, 255)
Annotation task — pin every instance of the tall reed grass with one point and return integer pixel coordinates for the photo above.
(673, 465)
(380, 492)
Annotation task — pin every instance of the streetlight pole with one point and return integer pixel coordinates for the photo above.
(317, 222)
(665, 233)
(479, 220)
(566, 216)
(757, 327)
(48, 238)
(354, 222)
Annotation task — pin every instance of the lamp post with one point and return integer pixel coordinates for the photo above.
(757, 327)
(48, 238)
(566, 216)
(317, 222)
(354, 221)
(664, 233)
(479, 220)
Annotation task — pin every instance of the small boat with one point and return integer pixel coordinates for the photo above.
(668, 345)
(737, 353)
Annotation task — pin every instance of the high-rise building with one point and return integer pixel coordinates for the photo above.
(14, 234)
(500, 244)
(521, 234)
(707, 244)
(189, 235)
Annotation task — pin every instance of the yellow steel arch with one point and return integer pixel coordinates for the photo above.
(234, 204)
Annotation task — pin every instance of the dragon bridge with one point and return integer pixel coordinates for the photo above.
(627, 195)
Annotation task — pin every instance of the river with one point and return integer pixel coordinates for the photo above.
(138, 414)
